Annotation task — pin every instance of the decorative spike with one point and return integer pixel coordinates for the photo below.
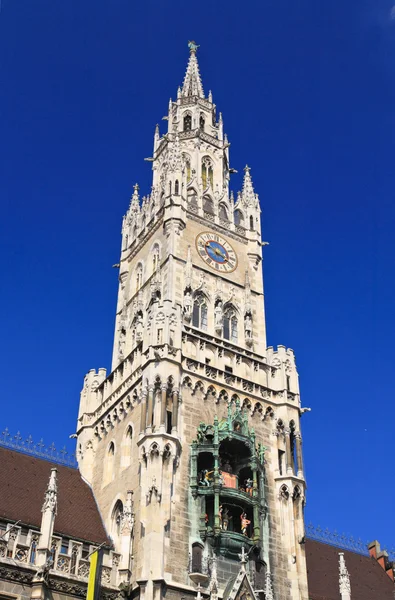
(210, 96)
(127, 519)
(192, 85)
(248, 194)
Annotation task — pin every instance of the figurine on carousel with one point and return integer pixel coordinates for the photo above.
(244, 523)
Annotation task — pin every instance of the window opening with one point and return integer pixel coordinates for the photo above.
(187, 123)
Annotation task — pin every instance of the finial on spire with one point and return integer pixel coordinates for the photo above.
(192, 85)
(192, 47)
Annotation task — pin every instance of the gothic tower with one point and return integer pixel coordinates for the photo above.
(192, 443)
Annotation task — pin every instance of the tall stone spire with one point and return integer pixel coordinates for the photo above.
(344, 579)
(48, 519)
(192, 85)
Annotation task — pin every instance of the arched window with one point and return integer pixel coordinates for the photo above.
(139, 276)
(116, 520)
(239, 218)
(230, 325)
(176, 188)
(208, 205)
(187, 122)
(207, 172)
(126, 451)
(223, 213)
(201, 123)
(108, 472)
(251, 223)
(199, 315)
(155, 257)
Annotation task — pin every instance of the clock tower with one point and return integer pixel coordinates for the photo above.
(192, 442)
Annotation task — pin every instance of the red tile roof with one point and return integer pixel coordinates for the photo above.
(368, 580)
(24, 480)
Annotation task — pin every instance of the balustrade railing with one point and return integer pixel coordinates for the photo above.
(38, 449)
(345, 542)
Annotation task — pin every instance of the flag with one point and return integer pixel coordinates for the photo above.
(95, 575)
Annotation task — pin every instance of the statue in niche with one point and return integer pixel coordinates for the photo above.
(225, 517)
(218, 315)
(205, 478)
(139, 328)
(188, 304)
(248, 326)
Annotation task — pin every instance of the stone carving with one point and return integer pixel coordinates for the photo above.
(218, 316)
(248, 329)
(188, 304)
(127, 517)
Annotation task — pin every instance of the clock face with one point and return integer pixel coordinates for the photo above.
(216, 252)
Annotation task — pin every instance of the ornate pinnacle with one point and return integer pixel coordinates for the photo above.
(192, 85)
(51, 495)
(243, 559)
(248, 195)
(135, 201)
(344, 578)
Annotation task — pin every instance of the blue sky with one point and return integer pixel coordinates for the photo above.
(307, 91)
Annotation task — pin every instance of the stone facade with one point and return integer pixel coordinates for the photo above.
(190, 348)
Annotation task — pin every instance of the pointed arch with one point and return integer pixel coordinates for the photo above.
(109, 463)
(155, 253)
(139, 276)
(127, 447)
(200, 311)
(202, 122)
(116, 520)
(223, 212)
(230, 323)
(252, 223)
(239, 217)
(208, 204)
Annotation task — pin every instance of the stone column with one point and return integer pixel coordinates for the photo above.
(288, 453)
(256, 524)
(163, 408)
(299, 455)
(175, 410)
(150, 406)
(143, 414)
